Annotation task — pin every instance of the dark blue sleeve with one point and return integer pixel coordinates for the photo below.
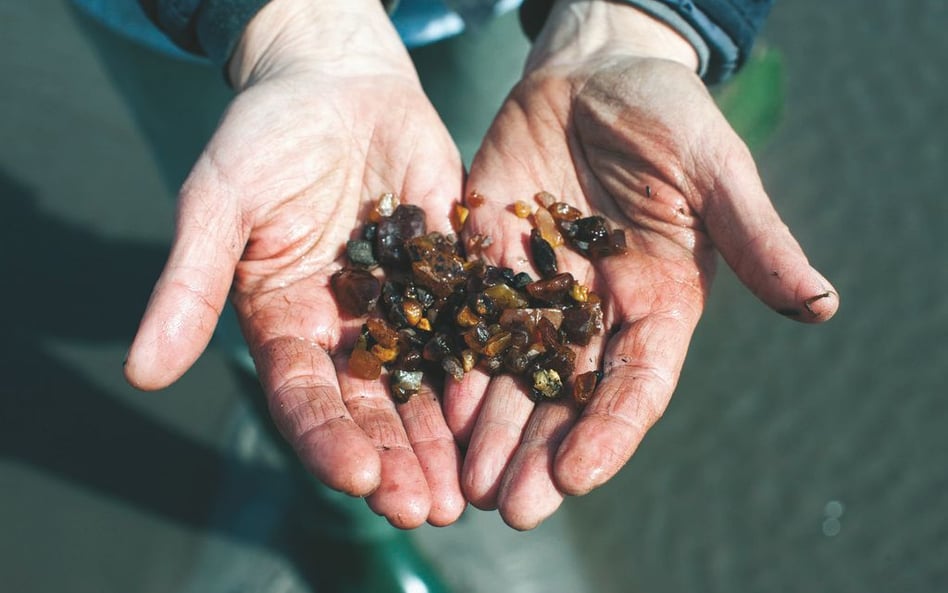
(727, 27)
(210, 28)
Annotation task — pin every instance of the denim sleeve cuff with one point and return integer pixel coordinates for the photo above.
(210, 28)
(220, 23)
(720, 53)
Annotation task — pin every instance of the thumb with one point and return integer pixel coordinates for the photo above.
(190, 294)
(758, 246)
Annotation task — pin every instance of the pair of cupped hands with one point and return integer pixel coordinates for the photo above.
(609, 116)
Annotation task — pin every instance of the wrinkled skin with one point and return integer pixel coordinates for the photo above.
(292, 171)
(329, 114)
(639, 141)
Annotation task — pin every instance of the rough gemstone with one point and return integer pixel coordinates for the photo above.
(356, 290)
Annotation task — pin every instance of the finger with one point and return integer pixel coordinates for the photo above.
(436, 451)
(640, 370)
(464, 399)
(462, 403)
(745, 227)
(306, 404)
(403, 496)
(496, 435)
(528, 493)
(190, 293)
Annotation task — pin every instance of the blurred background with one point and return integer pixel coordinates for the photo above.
(792, 458)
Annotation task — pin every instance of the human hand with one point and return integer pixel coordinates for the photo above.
(329, 114)
(611, 118)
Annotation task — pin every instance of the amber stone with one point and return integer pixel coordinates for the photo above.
(562, 360)
(385, 205)
(458, 217)
(518, 361)
(382, 332)
(580, 324)
(413, 310)
(409, 360)
(521, 209)
(476, 337)
(544, 223)
(384, 354)
(543, 256)
(585, 385)
(553, 289)
(593, 238)
(468, 359)
(545, 198)
(406, 222)
(466, 317)
(439, 272)
(356, 290)
(579, 292)
(563, 211)
(506, 297)
(497, 344)
(444, 310)
(547, 334)
(475, 199)
(364, 365)
(528, 318)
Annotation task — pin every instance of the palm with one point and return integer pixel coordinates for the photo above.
(286, 180)
(652, 166)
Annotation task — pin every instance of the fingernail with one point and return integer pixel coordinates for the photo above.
(808, 303)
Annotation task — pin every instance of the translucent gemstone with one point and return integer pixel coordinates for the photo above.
(543, 256)
(522, 209)
(584, 386)
(543, 221)
(364, 365)
(356, 290)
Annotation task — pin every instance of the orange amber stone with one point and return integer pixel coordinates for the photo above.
(584, 386)
(364, 365)
(543, 221)
(475, 199)
(521, 209)
(382, 332)
(459, 217)
(544, 198)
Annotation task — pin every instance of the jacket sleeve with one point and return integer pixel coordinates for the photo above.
(722, 31)
(209, 28)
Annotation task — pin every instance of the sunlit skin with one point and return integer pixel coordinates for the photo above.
(329, 114)
(634, 136)
(292, 171)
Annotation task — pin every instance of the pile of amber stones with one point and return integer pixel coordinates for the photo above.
(440, 311)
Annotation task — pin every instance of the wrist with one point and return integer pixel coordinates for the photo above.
(579, 30)
(350, 37)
